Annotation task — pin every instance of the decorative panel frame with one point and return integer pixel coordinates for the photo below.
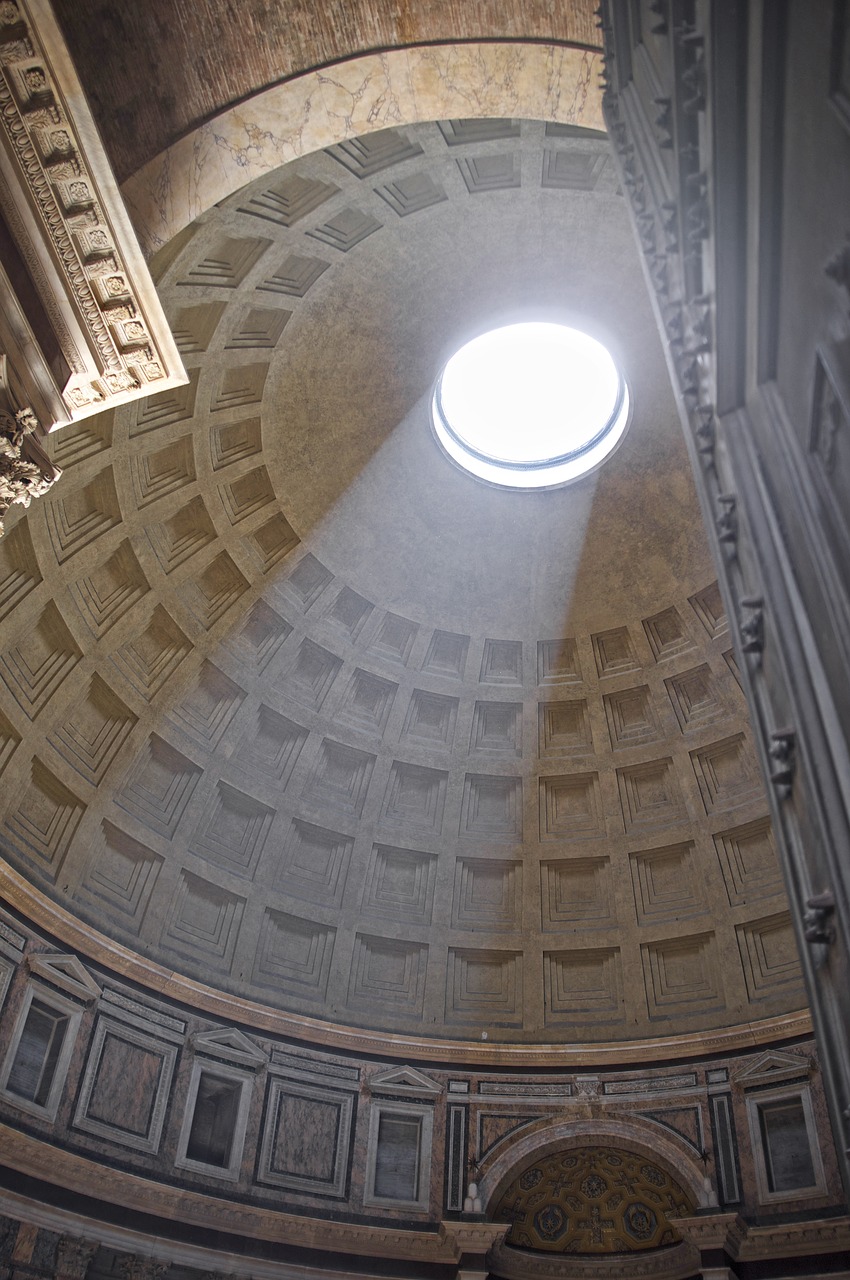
(335, 1187)
(74, 1014)
(222, 1070)
(726, 1148)
(131, 1035)
(425, 1114)
(457, 1142)
(7, 968)
(802, 1094)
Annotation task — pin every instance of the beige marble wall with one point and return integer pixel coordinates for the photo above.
(319, 108)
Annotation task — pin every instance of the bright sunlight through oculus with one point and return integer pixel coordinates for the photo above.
(530, 405)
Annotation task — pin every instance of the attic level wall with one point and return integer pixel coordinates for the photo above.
(731, 126)
(219, 56)
(306, 1128)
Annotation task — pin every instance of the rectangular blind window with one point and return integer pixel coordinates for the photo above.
(397, 1157)
(785, 1139)
(37, 1055)
(214, 1120)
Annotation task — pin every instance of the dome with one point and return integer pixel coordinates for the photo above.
(307, 717)
(389, 884)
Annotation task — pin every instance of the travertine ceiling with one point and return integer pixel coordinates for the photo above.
(295, 708)
(154, 71)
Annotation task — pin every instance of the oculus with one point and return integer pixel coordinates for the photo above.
(530, 406)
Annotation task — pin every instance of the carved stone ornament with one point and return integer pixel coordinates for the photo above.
(818, 925)
(727, 520)
(73, 1256)
(782, 750)
(713, 1231)
(748, 1241)
(26, 472)
(752, 625)
(471, 1237)
(587, 1087)
(131, 1267)
(678, 1262)
(101, 338)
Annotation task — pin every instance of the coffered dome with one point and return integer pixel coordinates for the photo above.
(294, 710)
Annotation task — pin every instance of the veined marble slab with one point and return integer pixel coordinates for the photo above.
(374, 91)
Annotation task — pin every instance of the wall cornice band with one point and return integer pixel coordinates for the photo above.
(71, 932)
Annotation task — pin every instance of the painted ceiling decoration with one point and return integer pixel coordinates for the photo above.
(593, 1200)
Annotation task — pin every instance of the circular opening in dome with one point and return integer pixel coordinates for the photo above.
(529, 406)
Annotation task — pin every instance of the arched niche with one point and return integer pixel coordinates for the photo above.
(635, 1135)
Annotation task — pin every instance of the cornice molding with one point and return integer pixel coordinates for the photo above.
(100, 950)
(679, 1262)
(748, 1242)
(86, 304)
(58, 1168)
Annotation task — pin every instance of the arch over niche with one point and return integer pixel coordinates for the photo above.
(475, 79)
(635, 1135)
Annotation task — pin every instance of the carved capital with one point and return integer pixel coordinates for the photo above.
(26, 472)
(135, 1268)
(73, 1256)
(713, 1231)
(472, 1237)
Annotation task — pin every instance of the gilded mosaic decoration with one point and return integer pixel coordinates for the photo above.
(593, 1200)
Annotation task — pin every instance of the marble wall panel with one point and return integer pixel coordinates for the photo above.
(306, 1139)
(124, 1092)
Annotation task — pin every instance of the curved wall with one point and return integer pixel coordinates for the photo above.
(301, 1164)
(296, 709)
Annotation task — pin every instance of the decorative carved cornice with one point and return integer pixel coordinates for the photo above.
(197, 1210)
(26, 472)
(81, 323)
(677, 1263)
(713, 1231)
(467, 1237)
(796, 1239)
(751, 1243)
(447, 1245)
